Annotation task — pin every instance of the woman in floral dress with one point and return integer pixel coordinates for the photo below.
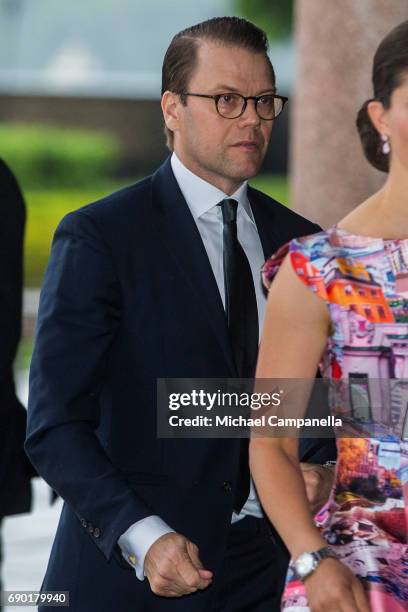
(349, 313)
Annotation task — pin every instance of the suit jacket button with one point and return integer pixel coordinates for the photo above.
(96, 532)
(227, 486)
(84, 523)
(90, 528)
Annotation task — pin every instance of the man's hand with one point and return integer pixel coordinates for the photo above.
(318, 481)
(173, 567)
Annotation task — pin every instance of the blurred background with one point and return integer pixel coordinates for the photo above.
(80, 117)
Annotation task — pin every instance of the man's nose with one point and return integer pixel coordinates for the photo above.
(250, 116)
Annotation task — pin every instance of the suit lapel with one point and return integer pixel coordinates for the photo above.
(180, 235)
(266, 223)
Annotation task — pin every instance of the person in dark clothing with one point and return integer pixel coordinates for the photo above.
(15, 468)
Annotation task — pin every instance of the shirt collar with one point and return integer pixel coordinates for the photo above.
(201, 196)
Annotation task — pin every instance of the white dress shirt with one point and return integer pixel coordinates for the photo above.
(202, 199)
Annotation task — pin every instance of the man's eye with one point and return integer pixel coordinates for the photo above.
(227, 98)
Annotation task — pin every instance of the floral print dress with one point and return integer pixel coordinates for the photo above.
(364, 283)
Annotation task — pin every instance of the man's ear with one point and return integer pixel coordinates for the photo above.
(378, 116)
(170, 104)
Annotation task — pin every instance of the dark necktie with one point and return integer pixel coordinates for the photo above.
(242, 318)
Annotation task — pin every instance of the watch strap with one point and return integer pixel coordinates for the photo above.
(324, 553)
(318, 555)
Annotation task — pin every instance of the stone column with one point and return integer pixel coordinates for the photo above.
(335, 42)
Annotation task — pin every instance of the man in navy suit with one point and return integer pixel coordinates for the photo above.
(137, 289)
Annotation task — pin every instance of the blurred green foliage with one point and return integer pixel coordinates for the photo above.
(45, 208)
(273, 16)
(275, 186)
(44, 156)
(24, 353)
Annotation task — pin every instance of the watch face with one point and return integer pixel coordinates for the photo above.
(305, 564)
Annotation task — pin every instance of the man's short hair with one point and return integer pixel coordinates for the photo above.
(181, 56)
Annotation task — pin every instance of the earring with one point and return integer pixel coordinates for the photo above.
(386, 144)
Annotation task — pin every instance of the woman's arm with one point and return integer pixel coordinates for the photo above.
(294, 337)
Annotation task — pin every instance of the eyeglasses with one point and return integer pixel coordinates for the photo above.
(233, 105)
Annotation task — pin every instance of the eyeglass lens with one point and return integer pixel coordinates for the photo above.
(231, 106)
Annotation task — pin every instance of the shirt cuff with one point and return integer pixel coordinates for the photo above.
(137, 540)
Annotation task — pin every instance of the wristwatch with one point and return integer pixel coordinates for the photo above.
(307, 562)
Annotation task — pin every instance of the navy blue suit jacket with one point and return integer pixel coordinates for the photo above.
(129, 296)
